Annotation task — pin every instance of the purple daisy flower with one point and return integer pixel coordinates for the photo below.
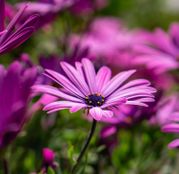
(11, 37)
(166, 110)
(97, 93)
(15, 91)
(109, 32)
(160, 50)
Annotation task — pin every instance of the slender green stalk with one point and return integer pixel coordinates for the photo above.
(5, 166)
(85, 146)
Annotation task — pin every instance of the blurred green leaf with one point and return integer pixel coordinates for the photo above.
(50, 171)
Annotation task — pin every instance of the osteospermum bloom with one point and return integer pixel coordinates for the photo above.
(165, 110)
(48, 9)
(13, 36)
(97, 93)
(15, 92)
(160, 49)
(108, 32)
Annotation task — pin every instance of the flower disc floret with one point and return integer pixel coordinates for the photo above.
(94, 100)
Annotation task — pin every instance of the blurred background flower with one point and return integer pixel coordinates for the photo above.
(9, 38)
(15, 87)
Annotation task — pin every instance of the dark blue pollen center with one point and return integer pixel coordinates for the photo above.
(94, 100)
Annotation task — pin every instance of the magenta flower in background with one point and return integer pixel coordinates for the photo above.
(109, 41)
(87, 6)
(52, 62)
(97, 93)
(48, 159)
(160, 50)
(164, 81)
(171, 111)
(10, 12)
(13, 35)
(124, 117)
(48, 9)
(166, 110)
(108, 32)
(15, 91)
(44, 7)
(108, 137)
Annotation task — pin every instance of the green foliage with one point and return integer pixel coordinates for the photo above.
(50, 171)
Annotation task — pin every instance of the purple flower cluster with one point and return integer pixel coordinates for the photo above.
(153, 54)
(117, 76)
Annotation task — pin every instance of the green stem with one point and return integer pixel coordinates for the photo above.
(85, 146)
(5, 166)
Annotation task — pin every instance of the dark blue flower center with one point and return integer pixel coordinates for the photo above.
(94, 100)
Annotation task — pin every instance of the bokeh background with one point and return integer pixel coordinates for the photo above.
(141, 148)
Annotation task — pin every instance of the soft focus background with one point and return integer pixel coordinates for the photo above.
(140, 148)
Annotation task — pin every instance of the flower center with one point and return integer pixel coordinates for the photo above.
(94, 100)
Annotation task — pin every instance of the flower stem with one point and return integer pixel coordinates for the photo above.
(85, 146)
(5, 166)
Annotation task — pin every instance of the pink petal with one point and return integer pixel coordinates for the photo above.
(163, 42)
(96, 113)
(174, 144)
(90, 74)
(133, 93)
(2, 32)
(107, 113)
(137, 103)
(13, 22)
(174, 32)
(60, 105)
(171, 128)
(138, 82)
(41, 8)
(75, 77)
(115, 82)
(53, 91)
(64, 82)
(175, 117)
(77, 107)
(108, 131)
(102, 77)
(116, 102)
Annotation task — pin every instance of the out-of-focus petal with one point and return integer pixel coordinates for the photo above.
(174, 144)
